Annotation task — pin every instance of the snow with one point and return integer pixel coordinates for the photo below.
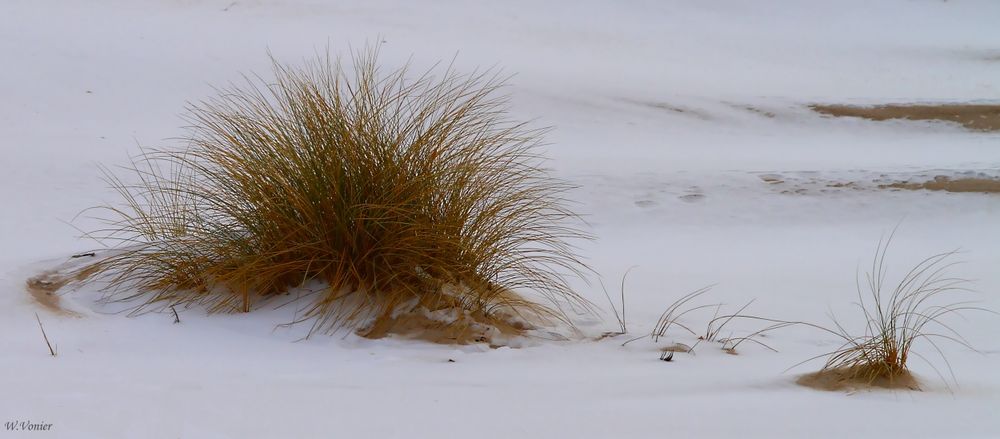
(678, 194)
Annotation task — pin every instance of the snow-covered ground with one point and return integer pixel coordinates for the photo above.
(684, 124)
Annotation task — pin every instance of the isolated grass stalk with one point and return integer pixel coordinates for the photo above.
(392, 190)
(45, 336)
(619, 316)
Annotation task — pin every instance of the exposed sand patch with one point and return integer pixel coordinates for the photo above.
(45, 286)
(691, 198)
(982, 181)
(772, 178)
(947, 184)
(444, 320)
(840, 184)
(761, 112)
(670, 108)
(971, 116)
(755, 110)
(845, 379)
(447, 326)
(676, 347)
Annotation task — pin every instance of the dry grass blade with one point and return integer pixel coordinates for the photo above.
(675, 311)
(619, 316)
(395, 191)
(45, 336)
(729, 344)
(712, 331)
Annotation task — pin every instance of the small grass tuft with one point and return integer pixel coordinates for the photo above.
(915, 309)
(396, 192)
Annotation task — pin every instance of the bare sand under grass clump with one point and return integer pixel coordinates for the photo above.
(848, 379)
(948, 184)
(44, 287)
(400, 193)
(448, 326)
(976, 117)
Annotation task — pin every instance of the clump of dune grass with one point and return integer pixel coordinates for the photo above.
(896, 319)
(397, 192)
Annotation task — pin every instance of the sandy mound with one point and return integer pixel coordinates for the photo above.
(947, 184)
(846, 379)
(676, 347)
(447, 326)
(444, 322)
(973, 117)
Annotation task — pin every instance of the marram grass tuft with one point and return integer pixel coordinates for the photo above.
(915, 309)
(393, 192)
